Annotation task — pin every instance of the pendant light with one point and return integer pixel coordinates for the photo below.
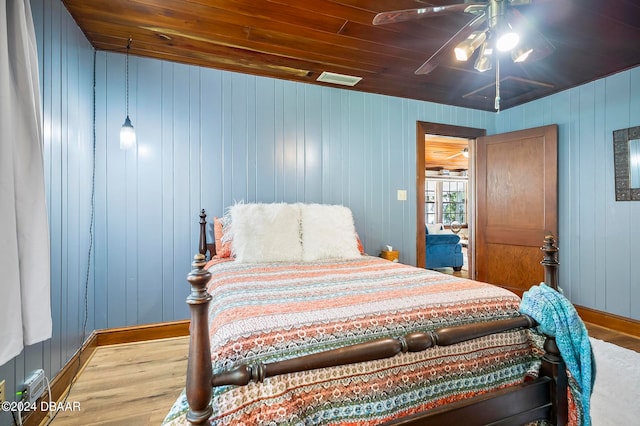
(127, 132)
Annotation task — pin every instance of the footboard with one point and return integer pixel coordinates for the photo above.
(369, 351)
(544, 398)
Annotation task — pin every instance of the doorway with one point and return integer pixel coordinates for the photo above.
(448, 200)
(456, 132)
(515, 189)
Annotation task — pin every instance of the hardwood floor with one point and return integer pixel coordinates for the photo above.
(128, 384)
(137, 383)
(620, 339)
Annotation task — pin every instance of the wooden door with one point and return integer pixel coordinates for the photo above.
(517, 205)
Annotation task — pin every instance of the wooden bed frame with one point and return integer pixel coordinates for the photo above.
(542, 398)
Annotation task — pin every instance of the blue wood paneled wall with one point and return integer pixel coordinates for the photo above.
(599, 237)
(66, 80)
(209, 138)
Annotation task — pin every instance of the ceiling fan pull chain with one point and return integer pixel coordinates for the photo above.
(497, 102)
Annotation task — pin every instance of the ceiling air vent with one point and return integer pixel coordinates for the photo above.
(345, 80)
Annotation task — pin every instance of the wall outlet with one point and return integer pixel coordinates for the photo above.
(2, 392)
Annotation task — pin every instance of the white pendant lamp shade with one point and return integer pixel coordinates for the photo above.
(127, 135)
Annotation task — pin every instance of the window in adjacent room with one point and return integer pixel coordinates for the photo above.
(430, 201)
(446, 201)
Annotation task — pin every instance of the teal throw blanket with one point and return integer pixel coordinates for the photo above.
(557, 317)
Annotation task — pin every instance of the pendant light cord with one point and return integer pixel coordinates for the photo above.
(497, 102)
(92, 201)
(126, 72)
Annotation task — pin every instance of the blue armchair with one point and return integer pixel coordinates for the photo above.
(443, 250)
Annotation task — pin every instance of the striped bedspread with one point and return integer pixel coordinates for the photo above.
(270, 312)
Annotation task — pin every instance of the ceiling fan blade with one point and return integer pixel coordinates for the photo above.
(424, 12)
(447, 48)
(453, 156)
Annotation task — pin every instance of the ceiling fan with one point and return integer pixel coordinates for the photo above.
(496, 26)
(464, 152)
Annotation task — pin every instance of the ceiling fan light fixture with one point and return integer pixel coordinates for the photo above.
(520, 54)
(485, 58)
(466, 48)
(507, 38)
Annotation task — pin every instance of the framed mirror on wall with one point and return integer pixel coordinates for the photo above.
(626, 161)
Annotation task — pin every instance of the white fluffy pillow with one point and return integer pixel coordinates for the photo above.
(328, 232)
(266, 233)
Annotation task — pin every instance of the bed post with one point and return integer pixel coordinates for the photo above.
(550, 262)
(554, 368)
(552, 364)
(199, 369)
(202, 244)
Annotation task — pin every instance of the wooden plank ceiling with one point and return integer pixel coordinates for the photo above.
(443, 152)
(299, 39)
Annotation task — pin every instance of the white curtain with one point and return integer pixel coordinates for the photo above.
(25, 306)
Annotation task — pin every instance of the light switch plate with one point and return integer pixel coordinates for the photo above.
(402, 195)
